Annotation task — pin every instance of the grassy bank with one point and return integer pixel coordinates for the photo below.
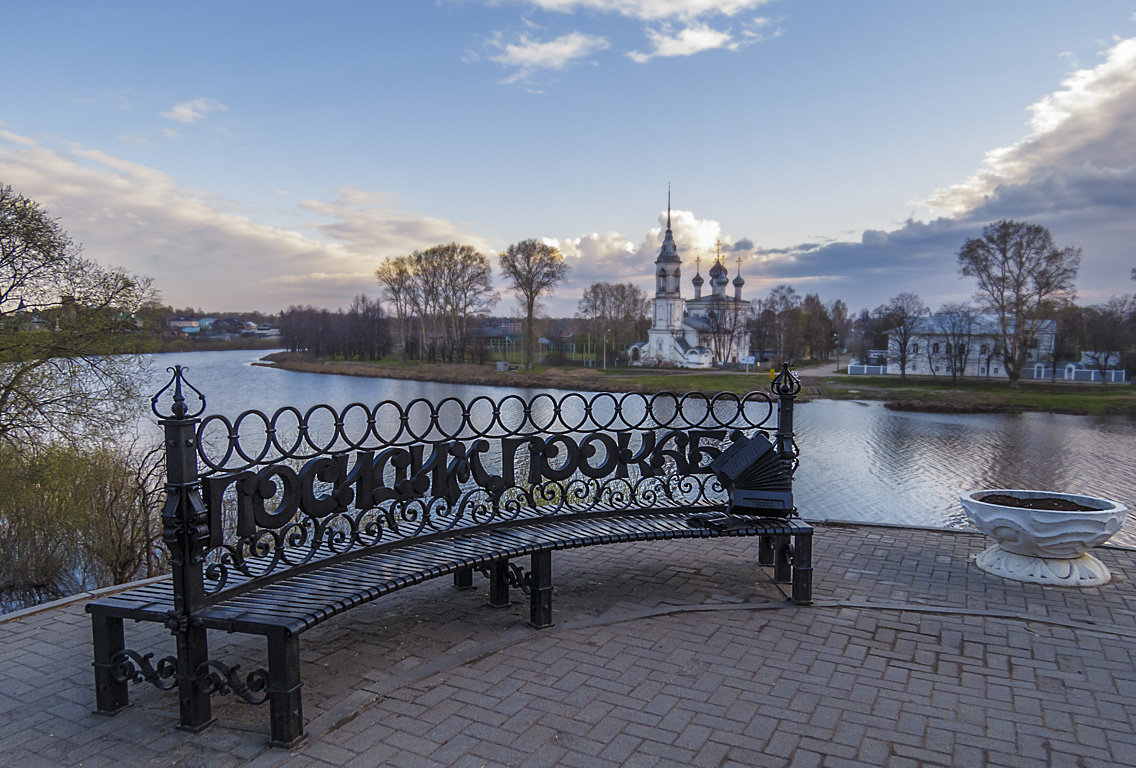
(931, 395)
(945, 396)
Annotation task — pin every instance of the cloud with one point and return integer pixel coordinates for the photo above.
(198, 249)
(614, 257)
(689, 41)
(651, 10)
(1079, 130)
(530, 56)
(194, 110)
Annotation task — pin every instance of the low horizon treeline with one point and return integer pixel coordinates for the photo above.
(361, 332)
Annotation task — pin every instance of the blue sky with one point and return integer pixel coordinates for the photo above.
(255, 155)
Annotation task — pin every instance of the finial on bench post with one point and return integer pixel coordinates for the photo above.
(185, 532)
(786, 386)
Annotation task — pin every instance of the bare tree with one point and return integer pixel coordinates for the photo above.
(762, 320)
(397, 279)
(841, 323)
(956, 324)
(1109, 332)
(1021, 276)
(904, 314)
(816, 331)
(618, 307)
(533, 269)
(785, 304)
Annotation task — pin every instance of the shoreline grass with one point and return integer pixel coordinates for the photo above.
(926, 395)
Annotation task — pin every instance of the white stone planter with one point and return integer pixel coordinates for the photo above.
(1044, 546)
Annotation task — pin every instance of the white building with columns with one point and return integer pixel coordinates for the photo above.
(702, 332)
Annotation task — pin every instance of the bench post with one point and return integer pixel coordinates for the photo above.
(463, 578)
(765, 550)
(540, 590)
(782, 564)
(286, 712)
(111, 695)
(499, 584)
(185, 532)
(803, 568)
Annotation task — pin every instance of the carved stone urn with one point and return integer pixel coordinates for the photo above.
(1044, 545)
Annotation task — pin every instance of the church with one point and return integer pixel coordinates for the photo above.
(705, 331)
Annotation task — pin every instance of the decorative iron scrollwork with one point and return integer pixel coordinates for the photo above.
(216, 677)
(786, 382)
(515, 576)
(129, 666)
(178, 409)
(211, 676)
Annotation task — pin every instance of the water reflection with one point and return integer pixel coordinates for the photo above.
(859, 462)
(863, 462)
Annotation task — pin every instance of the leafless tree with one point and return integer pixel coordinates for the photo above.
(956, 324)
(396, 277)
(533, 269)
(618, 307)
(904, 313)
(1021, 277)
(785, 303)
(1109, 332)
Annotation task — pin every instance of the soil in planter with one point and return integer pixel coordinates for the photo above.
(1043, 502)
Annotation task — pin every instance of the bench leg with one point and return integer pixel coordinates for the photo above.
(499, 584)
(193, 702)
(765, 550)
(803, 569)
(463, 578)
(782, 570)
(111, 695)
(540, 591)
(286, 709)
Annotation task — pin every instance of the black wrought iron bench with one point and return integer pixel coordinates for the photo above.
(277, 523)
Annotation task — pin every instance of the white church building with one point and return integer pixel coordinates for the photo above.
(698, 333)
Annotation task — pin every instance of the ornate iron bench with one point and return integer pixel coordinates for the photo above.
(275, 524)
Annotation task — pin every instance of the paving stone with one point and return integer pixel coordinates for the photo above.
(910, 657)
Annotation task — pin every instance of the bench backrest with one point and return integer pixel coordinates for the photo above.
(254, 497)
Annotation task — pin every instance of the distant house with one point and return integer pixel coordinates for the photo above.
(933, 349)
(183, 326)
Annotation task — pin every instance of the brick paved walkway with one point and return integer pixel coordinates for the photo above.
(665, 654)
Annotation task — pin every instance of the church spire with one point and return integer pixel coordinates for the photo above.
(669, 252)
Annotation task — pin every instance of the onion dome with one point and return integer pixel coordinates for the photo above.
(738, 281)
(718, 274)
(698, 281)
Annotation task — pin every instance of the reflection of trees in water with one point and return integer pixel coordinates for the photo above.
(864, 462)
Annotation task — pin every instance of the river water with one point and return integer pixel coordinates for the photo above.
(860, 462)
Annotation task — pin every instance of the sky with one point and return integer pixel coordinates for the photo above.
(257, 155)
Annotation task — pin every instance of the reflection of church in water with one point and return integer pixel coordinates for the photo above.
(702, 332)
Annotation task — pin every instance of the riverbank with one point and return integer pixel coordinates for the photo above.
(926, 395)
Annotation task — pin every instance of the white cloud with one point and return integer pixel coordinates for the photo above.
(194, 110)
(1085, 126)
(689, 41)
(530, 56)
(197, 249)
(651, 10)
(17, 139)
(614, 257)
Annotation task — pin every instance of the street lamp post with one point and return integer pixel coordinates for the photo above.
(605, 333)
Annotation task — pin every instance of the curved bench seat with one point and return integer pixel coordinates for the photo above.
(283, 608)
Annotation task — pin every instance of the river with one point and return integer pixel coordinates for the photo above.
(860, 462)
